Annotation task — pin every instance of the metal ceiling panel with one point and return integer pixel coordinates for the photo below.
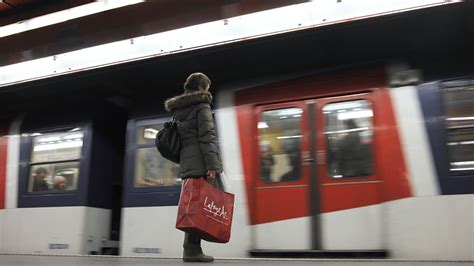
(12, 11)
(119, 24)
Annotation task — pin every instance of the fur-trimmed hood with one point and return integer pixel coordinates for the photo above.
(187, 99)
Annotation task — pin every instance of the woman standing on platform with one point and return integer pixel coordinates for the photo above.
(199, 156)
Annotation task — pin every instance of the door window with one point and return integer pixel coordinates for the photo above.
(349, 134)
(280, 145)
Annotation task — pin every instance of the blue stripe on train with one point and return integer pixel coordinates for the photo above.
(430, 95)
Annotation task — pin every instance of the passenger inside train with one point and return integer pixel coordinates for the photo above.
(266, 161)
(351, 151)
(39, 180)
(59, 183)
(291, 147)
(349, 138)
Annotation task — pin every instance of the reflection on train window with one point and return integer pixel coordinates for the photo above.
(147, 134)
(349, 137)
(280, 145)
(459, 104)
(57, 146)
(151, 169)
(55, 158)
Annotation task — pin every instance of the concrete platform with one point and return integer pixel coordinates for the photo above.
(10, 260)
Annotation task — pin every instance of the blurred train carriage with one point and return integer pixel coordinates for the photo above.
(65, 183)
(330, 153)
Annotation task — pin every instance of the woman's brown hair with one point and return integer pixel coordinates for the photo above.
(195, 81)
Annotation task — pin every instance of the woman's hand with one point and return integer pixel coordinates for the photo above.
(211, 174)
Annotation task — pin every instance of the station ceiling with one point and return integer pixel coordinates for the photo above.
(12, 11)
(434, 39)
(141, 19)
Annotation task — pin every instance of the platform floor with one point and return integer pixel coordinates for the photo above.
(10, 260)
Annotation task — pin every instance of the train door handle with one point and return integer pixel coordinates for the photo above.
(307, 158)
(321, 157)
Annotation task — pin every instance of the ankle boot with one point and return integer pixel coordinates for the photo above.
(196, 257)
(193, 251)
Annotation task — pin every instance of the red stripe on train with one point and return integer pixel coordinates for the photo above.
(3, 165)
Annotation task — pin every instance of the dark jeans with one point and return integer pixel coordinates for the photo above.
(192, 244)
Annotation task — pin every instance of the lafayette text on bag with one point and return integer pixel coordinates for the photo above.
(205, 211)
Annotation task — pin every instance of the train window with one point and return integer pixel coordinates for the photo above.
(54, 164)
(152, 170)
(459, 102)
(280, 145)
(56, 147)
(54, 177)
(147, 134)
(349, 137)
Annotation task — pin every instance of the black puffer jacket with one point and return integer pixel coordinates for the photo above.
(199, 150)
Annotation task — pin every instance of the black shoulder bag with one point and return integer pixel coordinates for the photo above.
(167, 141)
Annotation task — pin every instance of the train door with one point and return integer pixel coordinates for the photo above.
(348, 187)
(281, 210)
(316, 176)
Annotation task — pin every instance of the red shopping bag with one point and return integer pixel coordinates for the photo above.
(205, 211)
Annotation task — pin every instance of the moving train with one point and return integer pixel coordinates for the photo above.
(331, 149)
(331, 163)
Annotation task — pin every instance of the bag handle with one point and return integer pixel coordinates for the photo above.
(210, 181)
